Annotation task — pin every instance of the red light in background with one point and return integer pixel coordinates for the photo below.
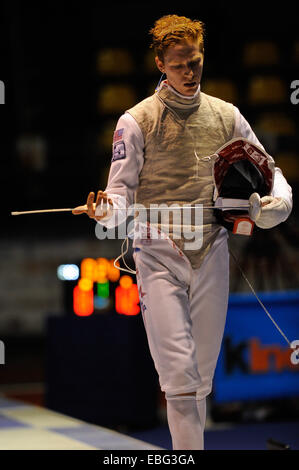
(83, 299)
(127, 297)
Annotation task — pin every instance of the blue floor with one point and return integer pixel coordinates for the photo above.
(236, 437)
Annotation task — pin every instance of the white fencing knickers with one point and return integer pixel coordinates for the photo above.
(184, 313)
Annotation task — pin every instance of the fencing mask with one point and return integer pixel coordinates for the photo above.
(241, 169)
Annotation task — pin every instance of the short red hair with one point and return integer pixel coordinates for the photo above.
(171, 29)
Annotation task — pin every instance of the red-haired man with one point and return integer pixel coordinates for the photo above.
(161, 149)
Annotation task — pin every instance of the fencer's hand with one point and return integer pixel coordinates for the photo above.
(95, 210)
(274, 210)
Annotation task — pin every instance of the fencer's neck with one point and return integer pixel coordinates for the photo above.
(176, 100)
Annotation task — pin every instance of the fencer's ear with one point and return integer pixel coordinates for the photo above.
(159, 64)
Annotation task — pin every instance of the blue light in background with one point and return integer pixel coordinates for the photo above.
(68, 272)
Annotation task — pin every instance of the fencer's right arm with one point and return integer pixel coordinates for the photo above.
(126, 164)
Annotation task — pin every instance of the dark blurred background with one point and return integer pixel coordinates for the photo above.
(70, 70)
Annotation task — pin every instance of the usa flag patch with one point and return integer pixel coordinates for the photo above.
(118, 134)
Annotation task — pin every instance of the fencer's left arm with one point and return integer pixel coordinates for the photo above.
(276, 207)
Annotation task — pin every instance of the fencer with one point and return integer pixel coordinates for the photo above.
(160, 150)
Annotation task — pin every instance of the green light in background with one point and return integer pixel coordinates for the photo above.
(103, 289)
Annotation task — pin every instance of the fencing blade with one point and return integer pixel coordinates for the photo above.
(43, 211)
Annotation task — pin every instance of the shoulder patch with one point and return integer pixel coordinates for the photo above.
(119, 151)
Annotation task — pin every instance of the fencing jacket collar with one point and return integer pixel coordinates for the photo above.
(175, 100)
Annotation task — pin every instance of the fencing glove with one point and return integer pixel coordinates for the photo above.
(273, 211)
